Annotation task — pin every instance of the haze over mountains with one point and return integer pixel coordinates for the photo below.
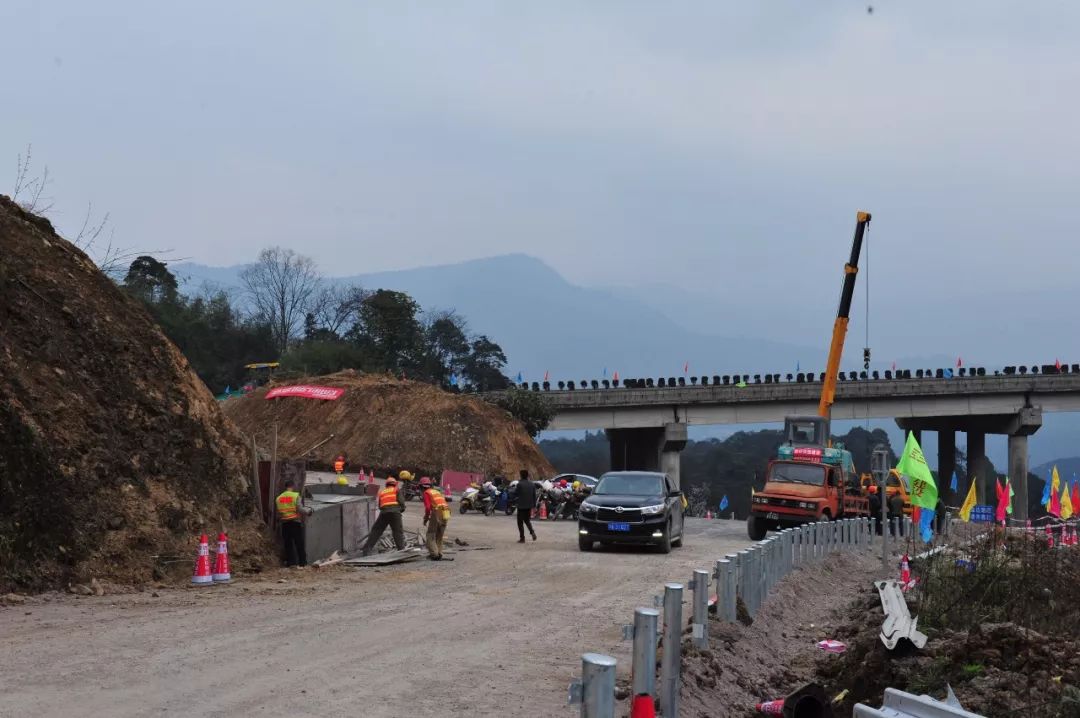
(545, 323)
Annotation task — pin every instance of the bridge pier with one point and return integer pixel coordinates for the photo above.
(976, 458)
(946, 465)
(1017, 426)
(653, 448)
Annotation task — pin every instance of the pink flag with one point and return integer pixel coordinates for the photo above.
(1055, 504)
(959, 362)
(615, 376)
(686, 368)
(1002, 501)
(545, 375)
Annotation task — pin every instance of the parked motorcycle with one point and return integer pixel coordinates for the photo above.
(476, 500)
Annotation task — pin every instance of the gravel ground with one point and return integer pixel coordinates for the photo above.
(495, 633)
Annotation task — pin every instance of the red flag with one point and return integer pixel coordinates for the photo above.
(1055, 504)
(1057, 363)
(1075, 498)
(959, 362)
(615, 376)
(545, 375)
(686, 368)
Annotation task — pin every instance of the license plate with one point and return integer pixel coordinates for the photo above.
(772, 515)
(618, 527)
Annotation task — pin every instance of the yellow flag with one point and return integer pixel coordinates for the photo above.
(969, 502)
(1055, 484)
(1066, 503)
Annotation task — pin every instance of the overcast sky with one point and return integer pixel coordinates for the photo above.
(715, 144)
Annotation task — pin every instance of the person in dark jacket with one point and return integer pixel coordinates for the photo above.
(526, 502)
(896, 512)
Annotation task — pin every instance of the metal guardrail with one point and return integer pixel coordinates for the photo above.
(745, 577)
(899, 704)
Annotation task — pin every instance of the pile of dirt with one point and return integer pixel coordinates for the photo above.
(113, 454)
(385, 424)
(776, 654)
(995, 669)
(1001, 625)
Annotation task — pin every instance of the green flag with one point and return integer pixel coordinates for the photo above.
(913, 465)
(1008, 484)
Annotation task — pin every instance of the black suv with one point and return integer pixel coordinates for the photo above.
(632, 507)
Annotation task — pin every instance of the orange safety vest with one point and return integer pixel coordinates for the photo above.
(339, 466)
(286, 505)
(438, 501)
(388, 497)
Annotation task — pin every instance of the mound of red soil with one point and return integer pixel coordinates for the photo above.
(113, 454)
(388, 424)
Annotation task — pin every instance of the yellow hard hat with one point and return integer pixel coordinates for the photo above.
(405, 476)
(576, 485)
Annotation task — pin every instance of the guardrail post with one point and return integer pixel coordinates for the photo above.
(789, 550)
(597, 686)
(700, 626)
(644, 665)
(750, 578)
(725, 593)
(849, 532)
(742, 568)
(671, 661)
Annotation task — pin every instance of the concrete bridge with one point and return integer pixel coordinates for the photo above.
(646, 427)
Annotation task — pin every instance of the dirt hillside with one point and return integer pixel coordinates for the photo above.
(389, 424)
(113, 454)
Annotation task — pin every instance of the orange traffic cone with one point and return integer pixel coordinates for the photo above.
(772, 708)
(643, 707)
(221, 561)
(905, 570)
(543, 510)
(202, 576)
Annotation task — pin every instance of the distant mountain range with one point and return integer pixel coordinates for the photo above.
(547, 324)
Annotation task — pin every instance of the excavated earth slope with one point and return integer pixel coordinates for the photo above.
(388, 424)
(113, 454)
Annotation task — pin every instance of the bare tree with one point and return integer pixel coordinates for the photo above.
(29, 190)
(281, 286)
(336, 307)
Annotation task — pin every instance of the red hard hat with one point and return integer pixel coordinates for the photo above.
(425, 481)
(563, 482)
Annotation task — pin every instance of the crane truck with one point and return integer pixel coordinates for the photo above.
(811, 479)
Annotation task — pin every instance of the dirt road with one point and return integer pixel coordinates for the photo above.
(495, 633)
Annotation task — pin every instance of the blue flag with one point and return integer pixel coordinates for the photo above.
(926, 524)
(948, 373)
(1046, 492)
(954, 484)
(519, 379)
(796, 366)
(228, 390)
(453, 380)
(605, 372)
(723, 503)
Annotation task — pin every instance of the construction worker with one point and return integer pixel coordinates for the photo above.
(391, 506)
(339, 465)
(875, 507)
(408, 489)
(289, 511)
(436, 516)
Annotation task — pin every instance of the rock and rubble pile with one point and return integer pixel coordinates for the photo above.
(113, 454)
